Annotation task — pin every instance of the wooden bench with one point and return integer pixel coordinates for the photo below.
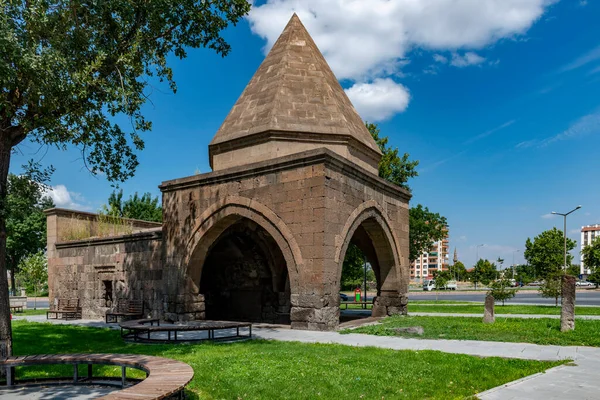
(125, 309)
(66, 308)
(141, 330)
(164, 377)
(16, 309)
(361, 303)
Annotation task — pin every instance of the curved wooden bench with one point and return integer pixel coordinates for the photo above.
(164, 377)
(137, 329)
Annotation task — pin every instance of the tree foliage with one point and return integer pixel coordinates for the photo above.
(591, 255)
(68, 67)
(25, 220)
(458, 271)
(441, 279)
(483, 272)
(426, 228)
(34, 273)
(546, 252)
(143, 207)
(392, 167)
(551, 287)
(353, 269)
(501, 290)
(71, 70)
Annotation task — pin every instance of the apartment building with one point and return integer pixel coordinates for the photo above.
(588, 234)
(436, 259)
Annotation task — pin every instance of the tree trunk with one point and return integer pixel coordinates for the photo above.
(5, 327)
(12, 278)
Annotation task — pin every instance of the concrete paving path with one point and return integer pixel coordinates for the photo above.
(578, 381)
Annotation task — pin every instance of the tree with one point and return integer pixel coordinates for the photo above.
(34, 273)
(144, 208)
(425, 229)
(525, 274)
(483, 272)
(546, 252)
(551, 287)
(69, 70)
(591, 255)
(392, 167)
(458, 271)
(441, 280)
(573, 270)
(25, 221)
(501, 290)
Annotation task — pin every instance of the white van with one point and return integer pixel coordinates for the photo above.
(429, 285)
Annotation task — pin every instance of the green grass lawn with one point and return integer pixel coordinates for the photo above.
(538, 331)
(30, 311)
(499, 309)
(283, 370)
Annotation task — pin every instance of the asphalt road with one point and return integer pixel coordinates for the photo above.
(39, 303)
(584, 297)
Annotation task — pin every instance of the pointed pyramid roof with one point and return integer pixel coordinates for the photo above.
(294, 91)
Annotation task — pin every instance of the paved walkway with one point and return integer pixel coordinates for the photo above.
(579, 381)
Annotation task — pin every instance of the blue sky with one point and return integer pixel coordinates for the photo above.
(499, 102)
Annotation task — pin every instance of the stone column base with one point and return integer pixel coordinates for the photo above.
(185, 307)
(315, 319)
(384, 306)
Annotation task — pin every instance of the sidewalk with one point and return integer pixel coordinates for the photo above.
(579, 381)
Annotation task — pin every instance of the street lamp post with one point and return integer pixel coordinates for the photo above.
(565, 234)
(476, 261)
(513, 264)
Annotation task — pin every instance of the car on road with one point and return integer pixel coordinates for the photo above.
(534, 283)
(584, 283)
(344, 297)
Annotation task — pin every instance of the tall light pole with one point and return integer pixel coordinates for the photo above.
(513, 264)
(565, 233)
(476, 261)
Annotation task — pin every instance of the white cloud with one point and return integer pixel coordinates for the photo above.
(64, 199)
(586, 125)
(583, 126)
(548, 216)
(380, 99)
(469, 58)
(582, 60)
(488, 133)
(594, 71)
(366, 40)
(440, 58)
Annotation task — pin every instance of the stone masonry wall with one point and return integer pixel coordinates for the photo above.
(312, 194)
(100, 270)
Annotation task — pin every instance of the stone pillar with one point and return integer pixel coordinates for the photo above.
(567, 311)
(488, 311)
(389, 304)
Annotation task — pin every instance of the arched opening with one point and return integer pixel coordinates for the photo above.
(369, 240)
(244, 276)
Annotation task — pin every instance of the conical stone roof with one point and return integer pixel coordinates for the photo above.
(293, 103)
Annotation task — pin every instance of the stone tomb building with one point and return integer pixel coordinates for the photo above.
(262, 237)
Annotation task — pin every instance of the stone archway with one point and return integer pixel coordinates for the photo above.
(368, 228)
(244, 276)
(244, 262)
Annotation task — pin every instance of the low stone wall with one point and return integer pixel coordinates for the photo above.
(101, 271)
(16, 301)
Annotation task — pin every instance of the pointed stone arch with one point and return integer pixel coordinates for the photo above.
(223, 214)
(368, 224)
